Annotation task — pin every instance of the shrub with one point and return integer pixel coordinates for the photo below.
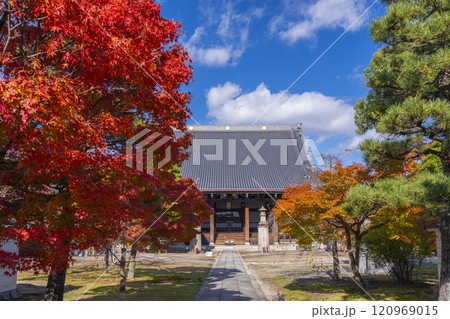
(400, 253)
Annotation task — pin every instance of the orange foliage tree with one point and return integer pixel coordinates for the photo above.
(308, 213)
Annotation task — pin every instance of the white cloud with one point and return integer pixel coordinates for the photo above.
(221, 94)
(323, 14)
(212, 56)
(223, 37)
(321, 115)
(216, 56)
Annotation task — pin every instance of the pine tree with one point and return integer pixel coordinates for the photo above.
(408, 103)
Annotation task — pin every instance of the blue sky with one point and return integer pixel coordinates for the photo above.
(246, 53)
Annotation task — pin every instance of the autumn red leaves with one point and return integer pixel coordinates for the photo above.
(71, 94)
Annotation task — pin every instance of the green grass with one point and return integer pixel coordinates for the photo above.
(380, 287)
(164, 282)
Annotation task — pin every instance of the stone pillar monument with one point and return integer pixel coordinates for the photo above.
(263, 231)
(196, 243)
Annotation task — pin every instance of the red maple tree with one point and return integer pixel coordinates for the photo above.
(75, 76)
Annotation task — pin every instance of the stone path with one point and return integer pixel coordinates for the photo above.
(229, 280)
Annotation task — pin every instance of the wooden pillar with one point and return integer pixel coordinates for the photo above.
(247, 224)
(211, 229)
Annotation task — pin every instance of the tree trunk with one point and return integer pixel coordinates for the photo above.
(112, 253)
(336, 268)
(55, 285)
(354, 263)
(132, 263)
(353, 254)
(107, 258)
(444, 290)
(122, 270)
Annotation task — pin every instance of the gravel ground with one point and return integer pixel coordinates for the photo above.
(310, 266)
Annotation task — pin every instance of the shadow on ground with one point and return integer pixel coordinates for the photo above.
(346, 290)
(216, 289)
(178, 283)
(31, 291)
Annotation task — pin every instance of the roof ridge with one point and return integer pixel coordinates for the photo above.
(235, 128)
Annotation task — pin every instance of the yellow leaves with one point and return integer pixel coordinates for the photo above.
(35, 63)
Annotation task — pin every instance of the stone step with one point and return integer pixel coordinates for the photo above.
(232, 238)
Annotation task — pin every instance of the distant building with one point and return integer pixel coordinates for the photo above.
(8, 284)
(242, 168)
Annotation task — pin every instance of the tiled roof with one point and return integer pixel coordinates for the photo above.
(223, 175)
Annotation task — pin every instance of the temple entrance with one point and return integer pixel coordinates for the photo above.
(229, 221)
(236, 218)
